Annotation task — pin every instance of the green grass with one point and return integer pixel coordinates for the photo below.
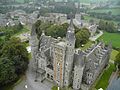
(104, 79)
(113, 54)
(87, 45)
(54, 88)
(111, 37)
(115, 11)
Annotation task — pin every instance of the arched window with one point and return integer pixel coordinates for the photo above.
(48, 76)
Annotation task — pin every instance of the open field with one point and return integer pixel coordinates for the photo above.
(111, 37)
(115, 11)
(104, 79)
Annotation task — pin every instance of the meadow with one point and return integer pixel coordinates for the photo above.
(111, 37)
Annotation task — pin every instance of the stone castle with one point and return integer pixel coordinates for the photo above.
(58, 61)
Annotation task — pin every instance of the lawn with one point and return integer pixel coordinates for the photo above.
(111, 37)
(104, 79)
(115, 11)
(87, 45)
(113, 54)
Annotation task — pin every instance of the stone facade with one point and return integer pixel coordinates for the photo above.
(58, 61)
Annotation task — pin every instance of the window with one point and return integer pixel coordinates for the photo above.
(88, 74)
(52, 77)
(48, 76)
(66, 64)
(65, 82)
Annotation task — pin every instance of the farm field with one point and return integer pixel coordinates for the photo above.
(115, 11)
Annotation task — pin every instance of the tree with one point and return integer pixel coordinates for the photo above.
(57, 30)
(51, 29)
(82, 17)
(17, 53)
(7, 71)
(82, 36)
(109, 13)
(107, 26)
(101, 25)
(91, 21)
(117, 60)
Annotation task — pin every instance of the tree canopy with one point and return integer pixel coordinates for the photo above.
(107, 26)
(7, 71)
(13, 60)
(82, 35)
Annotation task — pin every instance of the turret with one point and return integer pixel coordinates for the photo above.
(70, 36)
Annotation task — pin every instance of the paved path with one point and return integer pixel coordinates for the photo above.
(20, 86)
(29, 81)
(94, 38)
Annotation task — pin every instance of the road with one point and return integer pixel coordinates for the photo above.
(29, 81)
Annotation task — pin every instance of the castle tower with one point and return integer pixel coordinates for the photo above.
(34, 43)
(70, 39)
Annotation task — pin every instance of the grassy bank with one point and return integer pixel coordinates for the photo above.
(104, 79)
